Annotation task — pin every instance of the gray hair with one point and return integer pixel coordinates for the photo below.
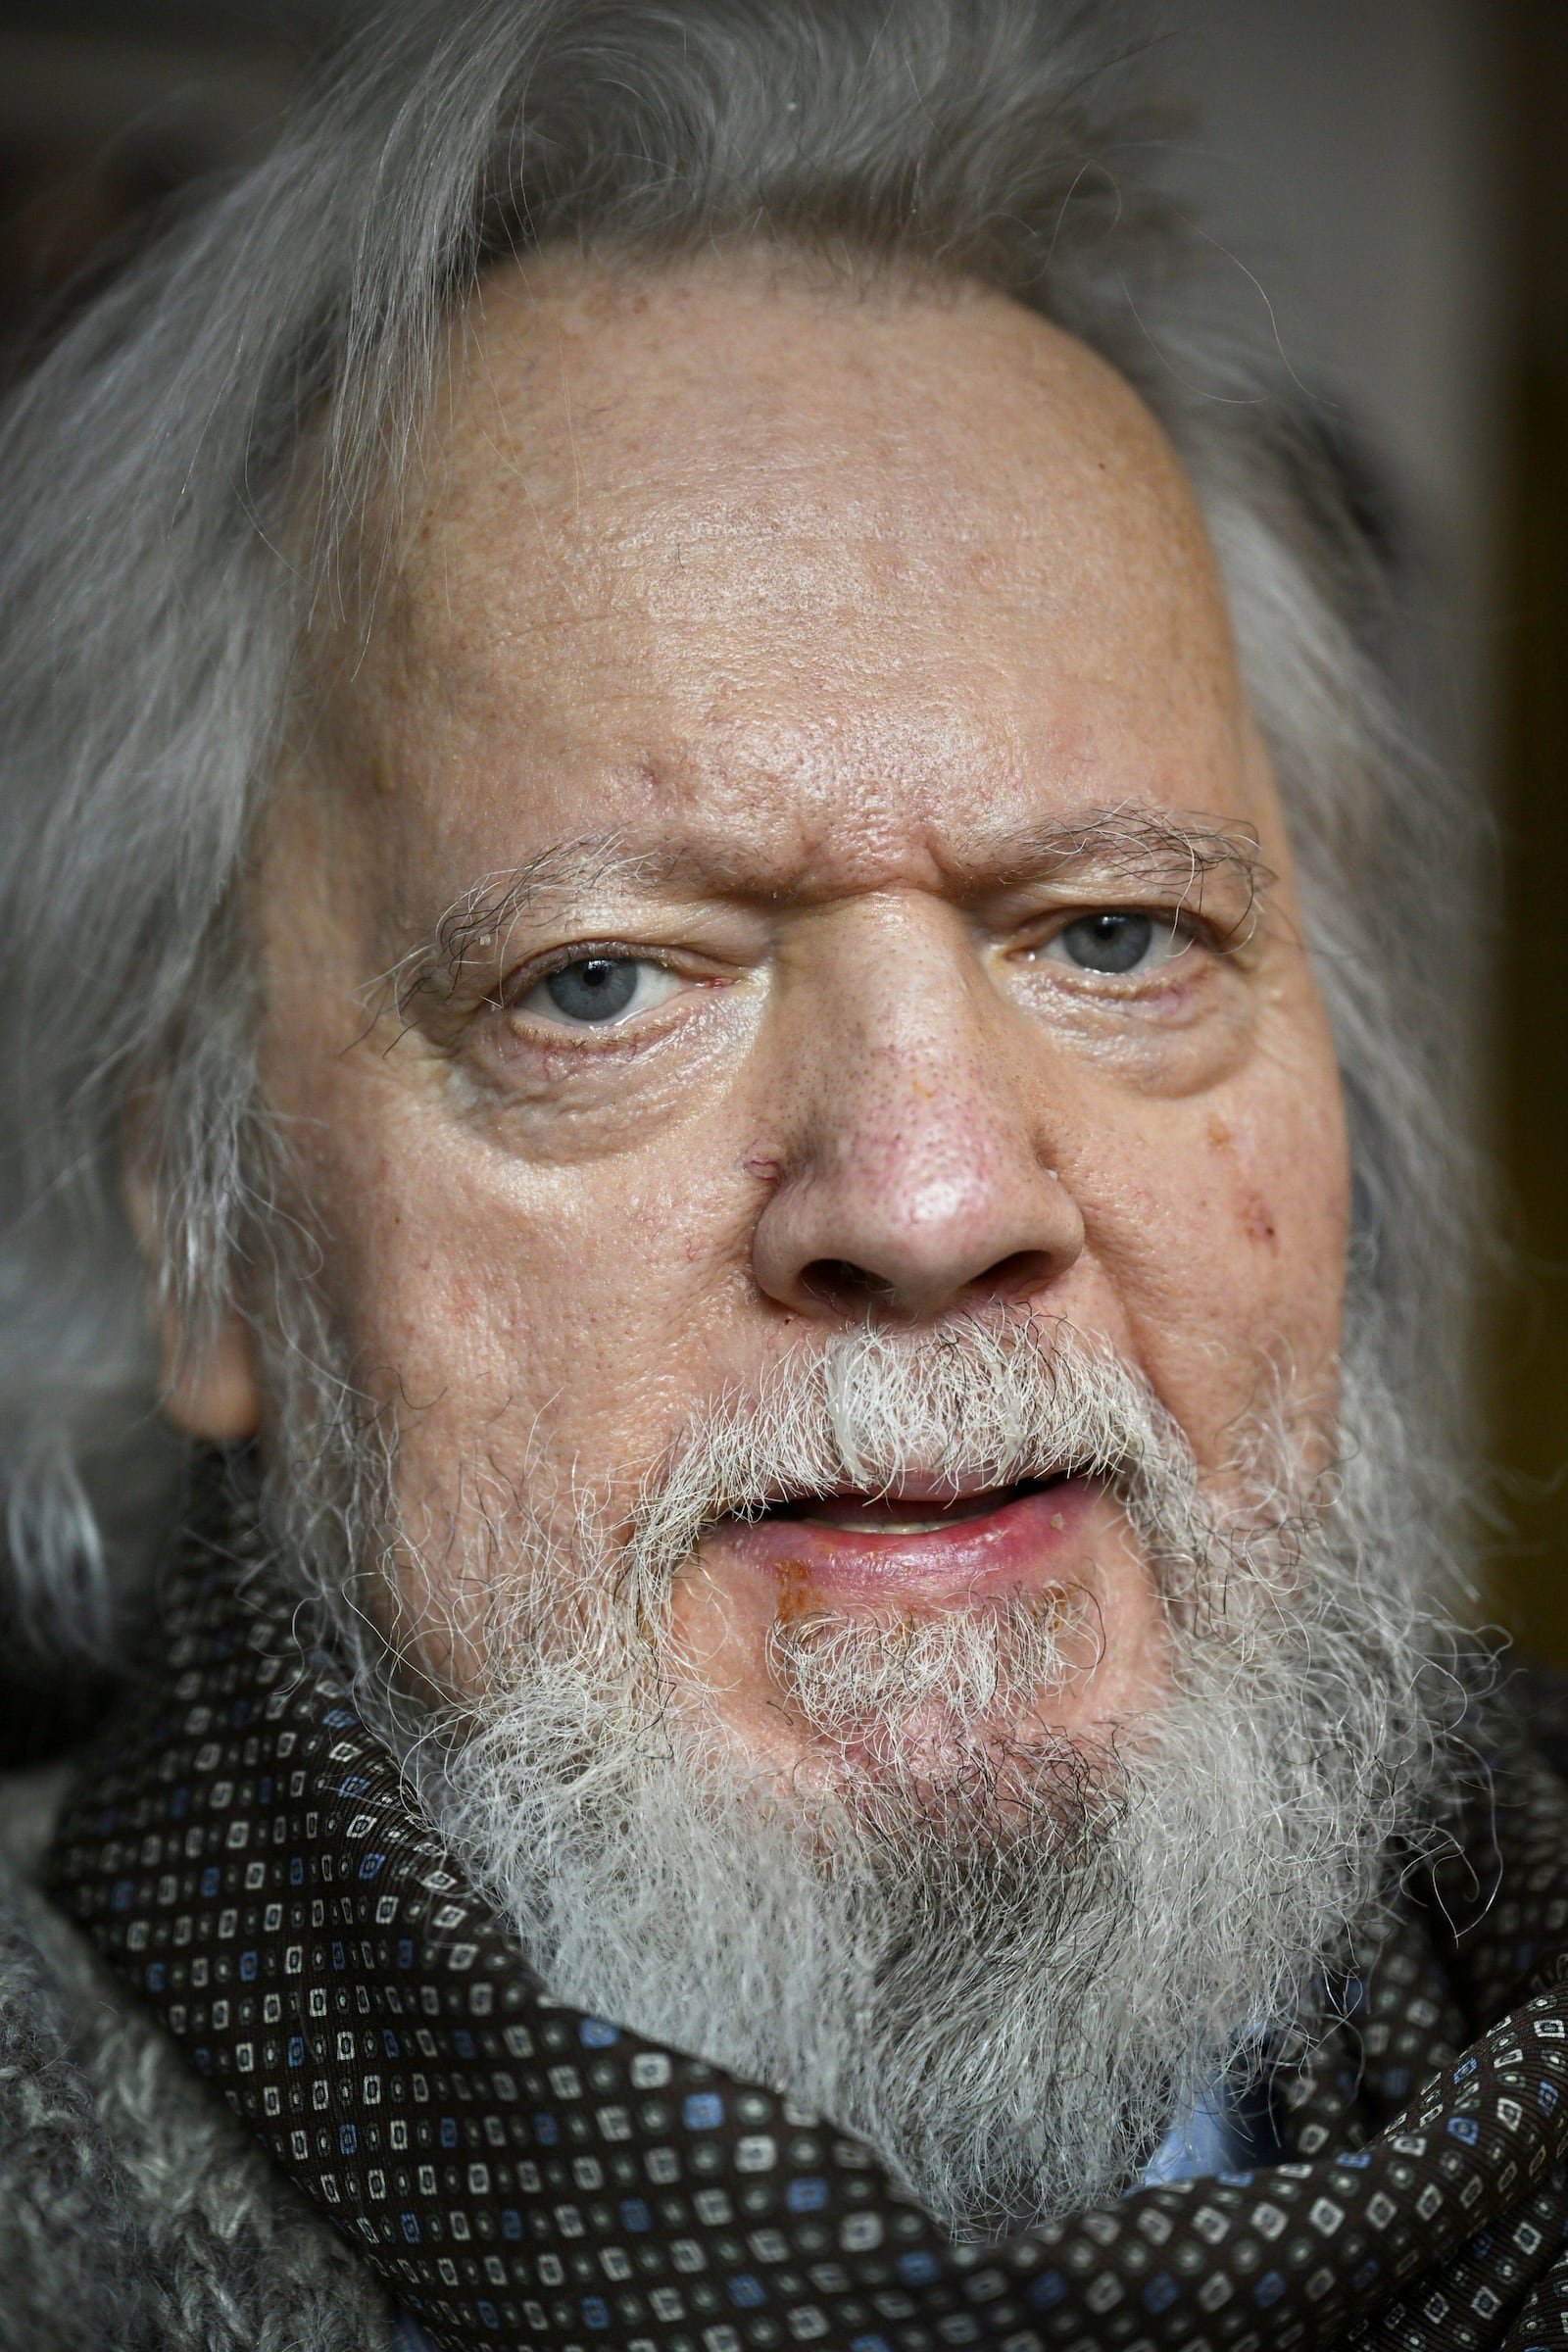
(181, 479)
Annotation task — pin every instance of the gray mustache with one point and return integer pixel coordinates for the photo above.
(977, 1404)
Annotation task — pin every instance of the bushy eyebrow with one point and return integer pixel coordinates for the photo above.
(485, 912)
(1173, 855)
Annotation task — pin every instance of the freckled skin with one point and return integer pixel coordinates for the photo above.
(832, 588)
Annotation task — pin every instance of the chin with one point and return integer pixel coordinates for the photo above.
(928, 1771)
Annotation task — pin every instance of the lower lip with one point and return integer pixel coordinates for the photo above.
(1023, 1542)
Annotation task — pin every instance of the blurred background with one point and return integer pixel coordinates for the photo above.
(1388, 176)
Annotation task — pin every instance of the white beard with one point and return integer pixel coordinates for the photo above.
(1004, 1962)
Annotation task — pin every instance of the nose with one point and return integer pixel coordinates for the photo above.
(911, 1182)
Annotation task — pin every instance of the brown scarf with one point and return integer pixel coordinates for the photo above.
(242, 1854)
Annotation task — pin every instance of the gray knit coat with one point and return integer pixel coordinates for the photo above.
(136, 2213)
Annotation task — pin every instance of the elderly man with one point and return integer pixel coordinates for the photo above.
(710, 925)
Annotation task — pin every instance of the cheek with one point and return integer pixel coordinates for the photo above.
(515, 1311)
(1222, 1227)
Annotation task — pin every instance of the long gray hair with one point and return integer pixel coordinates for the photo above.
(182, 476)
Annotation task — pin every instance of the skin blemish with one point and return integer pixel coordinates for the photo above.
(797, 1594)
(1257, 1222)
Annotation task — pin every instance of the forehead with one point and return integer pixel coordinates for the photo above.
(823, 558)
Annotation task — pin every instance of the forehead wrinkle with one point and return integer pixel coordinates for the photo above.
(599, 456)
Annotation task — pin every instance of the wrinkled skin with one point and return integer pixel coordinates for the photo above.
(804, 628)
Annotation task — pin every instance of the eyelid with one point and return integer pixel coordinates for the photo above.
(1217, 906)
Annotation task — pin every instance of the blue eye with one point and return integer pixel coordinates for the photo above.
(596, 991)
(599, 989)
(1111, 942)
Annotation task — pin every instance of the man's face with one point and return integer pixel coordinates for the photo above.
(872, 904)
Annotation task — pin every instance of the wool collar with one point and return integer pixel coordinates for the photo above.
(243, 1853)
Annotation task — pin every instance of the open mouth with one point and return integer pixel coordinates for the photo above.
(904, 1513)
(919, 1542)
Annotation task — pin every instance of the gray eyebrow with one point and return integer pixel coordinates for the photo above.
(494, 903)
(1131, 842)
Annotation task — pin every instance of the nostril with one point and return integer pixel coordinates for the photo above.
(839, 1283)
(846, 1288)
(1018, 1276)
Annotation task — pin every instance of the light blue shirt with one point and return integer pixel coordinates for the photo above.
(1222, 2134)
(411, 2336)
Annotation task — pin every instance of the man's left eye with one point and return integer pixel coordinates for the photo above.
(1116, 942)
(599, 991)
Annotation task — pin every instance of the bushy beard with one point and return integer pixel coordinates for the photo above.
(1003, 1958)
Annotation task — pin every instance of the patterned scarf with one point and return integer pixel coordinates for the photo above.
(242, 1852)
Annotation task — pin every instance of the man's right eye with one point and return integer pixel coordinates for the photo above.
(599, 991)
